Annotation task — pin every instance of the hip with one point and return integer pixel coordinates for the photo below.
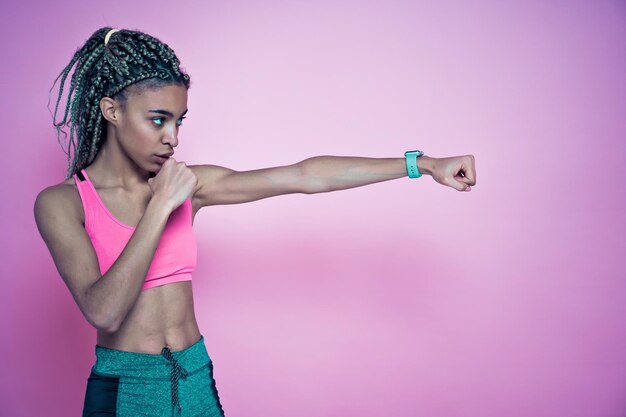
(170, 383)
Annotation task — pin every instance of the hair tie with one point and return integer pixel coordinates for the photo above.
(108, 36)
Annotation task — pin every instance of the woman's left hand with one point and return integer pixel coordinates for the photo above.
(458, 172)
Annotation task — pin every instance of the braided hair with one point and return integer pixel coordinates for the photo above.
(129, 58)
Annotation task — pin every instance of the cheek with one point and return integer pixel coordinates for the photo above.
(142, 136)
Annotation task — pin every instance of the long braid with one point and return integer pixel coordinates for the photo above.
(130, 57)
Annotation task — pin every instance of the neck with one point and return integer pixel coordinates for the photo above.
(114, 169)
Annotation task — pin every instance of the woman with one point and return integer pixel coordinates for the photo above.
(119, 228)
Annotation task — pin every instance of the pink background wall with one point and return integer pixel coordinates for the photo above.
(404, 298)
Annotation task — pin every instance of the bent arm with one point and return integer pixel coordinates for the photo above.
(219, 185)
(104, 300)
(116, 292)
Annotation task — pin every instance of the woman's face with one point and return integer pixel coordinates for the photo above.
(149, 124)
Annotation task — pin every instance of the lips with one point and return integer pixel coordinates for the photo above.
(166, 155)
(160, 159)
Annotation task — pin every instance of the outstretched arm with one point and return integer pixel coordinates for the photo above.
(219, 185)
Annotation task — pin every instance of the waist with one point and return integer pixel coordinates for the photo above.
(114, 362)
(161, 316)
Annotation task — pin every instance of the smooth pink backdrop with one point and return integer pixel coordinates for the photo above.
(403, 298)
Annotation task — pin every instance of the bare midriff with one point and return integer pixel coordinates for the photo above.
(162, 316)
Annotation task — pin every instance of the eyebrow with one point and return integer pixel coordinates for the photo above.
(165, 112)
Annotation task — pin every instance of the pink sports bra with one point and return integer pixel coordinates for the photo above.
(176, 255)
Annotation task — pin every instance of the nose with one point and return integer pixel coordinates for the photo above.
(171, 136)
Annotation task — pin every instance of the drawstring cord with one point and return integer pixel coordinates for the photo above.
(177, 372)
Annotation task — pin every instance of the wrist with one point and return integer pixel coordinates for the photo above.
(425, 164)
(160, 205)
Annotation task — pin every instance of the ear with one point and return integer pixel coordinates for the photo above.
(110, 110)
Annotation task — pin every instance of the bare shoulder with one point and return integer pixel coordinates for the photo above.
(59, 198)
(208, 184)
(208, 173)
(60, 220)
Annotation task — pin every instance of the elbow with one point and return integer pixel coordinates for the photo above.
(108, 326)
(104, 323)
(313, 187)
(99, 317)
(309, 179)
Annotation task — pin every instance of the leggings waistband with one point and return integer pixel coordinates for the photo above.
(167, 364)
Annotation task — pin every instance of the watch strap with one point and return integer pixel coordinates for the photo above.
(411, 163)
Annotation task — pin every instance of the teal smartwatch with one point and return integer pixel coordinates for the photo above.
(411, 163)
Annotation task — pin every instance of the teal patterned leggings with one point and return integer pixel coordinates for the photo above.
(169, 384)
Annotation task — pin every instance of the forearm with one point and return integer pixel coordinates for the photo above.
(115, 293)
(332, 173)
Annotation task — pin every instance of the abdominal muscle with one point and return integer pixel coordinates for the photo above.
(162, 316)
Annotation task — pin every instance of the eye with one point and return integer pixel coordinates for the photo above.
(158, 119)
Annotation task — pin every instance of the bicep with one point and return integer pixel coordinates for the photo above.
(71, 249)
(220, 185)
